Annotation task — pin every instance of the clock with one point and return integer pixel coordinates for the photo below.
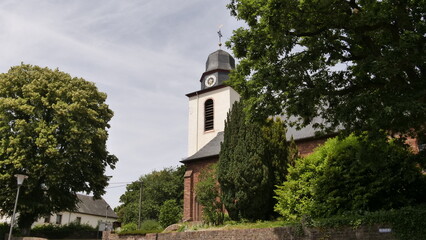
(210, 81)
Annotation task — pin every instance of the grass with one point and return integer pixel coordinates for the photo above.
(230, 225)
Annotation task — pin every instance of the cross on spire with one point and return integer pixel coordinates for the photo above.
(220, 36)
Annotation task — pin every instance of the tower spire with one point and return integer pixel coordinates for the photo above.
(220, 36)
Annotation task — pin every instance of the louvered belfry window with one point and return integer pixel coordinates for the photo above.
(208, 115)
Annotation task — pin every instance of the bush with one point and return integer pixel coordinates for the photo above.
(170, 213)
(4, 228)
(50, 231)
(407, 223)
(208, 193)
(147, 226)
(129, 227)
(356, 174)
(151, 225)
(57, 232)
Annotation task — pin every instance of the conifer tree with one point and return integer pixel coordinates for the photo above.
(253, 159)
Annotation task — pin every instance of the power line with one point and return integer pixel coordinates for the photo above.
(125, 185)
(120, 182)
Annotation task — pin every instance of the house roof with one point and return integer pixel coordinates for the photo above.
(98, 207)
(212, 148)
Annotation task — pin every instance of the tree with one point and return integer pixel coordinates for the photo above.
(53, 128)
(170, 213)
(157, 188)
(356, 64)
(253, 159)
(355, 174)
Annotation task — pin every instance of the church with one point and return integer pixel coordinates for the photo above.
(208, 108)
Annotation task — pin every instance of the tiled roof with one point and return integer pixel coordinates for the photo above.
(96, 207)
(212, 148)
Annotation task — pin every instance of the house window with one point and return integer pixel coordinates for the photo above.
(47, 219)
(58, 219)
(78, 220)
(208, 115)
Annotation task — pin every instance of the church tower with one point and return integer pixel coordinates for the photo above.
(209, 106)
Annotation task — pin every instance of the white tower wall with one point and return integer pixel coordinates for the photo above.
(223, 98)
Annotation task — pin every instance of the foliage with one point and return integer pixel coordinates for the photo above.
(58, 232)
(253, 159)
(157, 187)
(4, 228)
(170, 213)
(356, 64)
(53, 128)
(355, 174)
(129, 227)
(147, 226)
(151, 225)
(407, 223)
(208, 195)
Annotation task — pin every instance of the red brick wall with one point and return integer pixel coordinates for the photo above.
(307, 146)
(191, 209)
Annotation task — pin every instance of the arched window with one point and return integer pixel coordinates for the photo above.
(208, 115)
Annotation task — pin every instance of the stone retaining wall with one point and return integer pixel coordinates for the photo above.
(279, 233)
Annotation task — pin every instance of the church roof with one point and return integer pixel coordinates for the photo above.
(98, 207)
(212, 148)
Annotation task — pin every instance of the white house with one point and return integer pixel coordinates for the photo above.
(89, 211)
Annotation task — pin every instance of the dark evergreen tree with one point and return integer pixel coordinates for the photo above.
(253, 159)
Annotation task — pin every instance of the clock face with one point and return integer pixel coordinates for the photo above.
(210, 81)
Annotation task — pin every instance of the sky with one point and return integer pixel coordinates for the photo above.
(144, 54)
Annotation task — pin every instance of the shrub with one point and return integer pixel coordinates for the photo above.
(50, 231)
(208, 194)
(4, 228)
(407, 223)
(356, 174)
(151, 225)
(170, 213)
(129, 227)
(147, 226)
(57, 232)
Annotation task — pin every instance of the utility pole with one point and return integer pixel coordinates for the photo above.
(140, 202)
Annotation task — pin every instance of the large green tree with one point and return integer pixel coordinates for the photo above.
(53, 128)
(359, 64)
(157, 188)
(253, 159)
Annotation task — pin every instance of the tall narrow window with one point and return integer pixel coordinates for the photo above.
(208, 115)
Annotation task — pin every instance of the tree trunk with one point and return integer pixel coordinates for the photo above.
(24, 222)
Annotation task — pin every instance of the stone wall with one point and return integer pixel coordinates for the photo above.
(280, 233)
